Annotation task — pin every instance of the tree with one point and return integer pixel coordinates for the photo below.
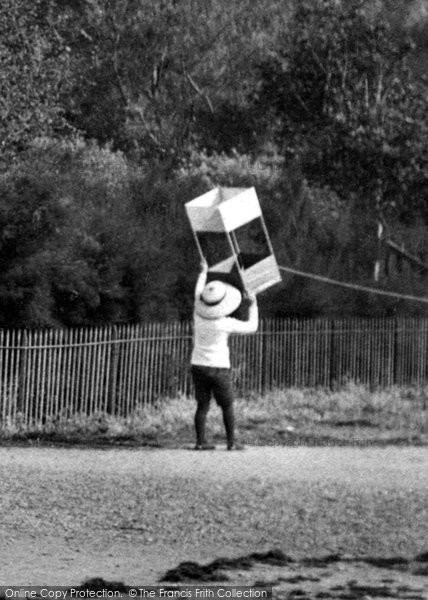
(87, 238)
(349, 108)
(156, 77)
(33, 68)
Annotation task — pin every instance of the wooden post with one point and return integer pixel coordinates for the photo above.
(395, 352)
(22, 371)
(113, 371)
(263, 356)
(379, 251)
(332, 374)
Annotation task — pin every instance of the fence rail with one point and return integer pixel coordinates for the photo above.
(49, 374)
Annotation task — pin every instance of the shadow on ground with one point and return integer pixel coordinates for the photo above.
(333, 576)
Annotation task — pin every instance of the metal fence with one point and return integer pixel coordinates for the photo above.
(49, 374)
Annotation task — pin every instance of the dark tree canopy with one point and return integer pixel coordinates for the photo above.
(34, 73)
(350, 110)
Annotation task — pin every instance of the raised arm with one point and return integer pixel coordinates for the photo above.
(250, 326)
(202, 279)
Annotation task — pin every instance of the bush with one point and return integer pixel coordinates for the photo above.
(77, 249)
(88, 237)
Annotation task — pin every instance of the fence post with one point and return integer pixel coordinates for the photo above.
(22, 371)
(114, 353)
(332, 349)
(396, 352)
(264, 327)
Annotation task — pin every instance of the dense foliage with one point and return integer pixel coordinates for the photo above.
(350, 109)
(115, 113)
(34, 73)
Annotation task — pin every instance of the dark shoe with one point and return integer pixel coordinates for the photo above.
(205, 447)
(236, 446)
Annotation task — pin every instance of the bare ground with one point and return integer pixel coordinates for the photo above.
(350, 522)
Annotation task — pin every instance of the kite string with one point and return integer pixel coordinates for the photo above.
(353, 286)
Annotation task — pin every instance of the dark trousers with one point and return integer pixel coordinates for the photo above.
(217, 382)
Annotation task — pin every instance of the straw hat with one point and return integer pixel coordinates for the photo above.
(218, 299)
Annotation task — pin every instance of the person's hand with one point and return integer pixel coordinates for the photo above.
(251, 297)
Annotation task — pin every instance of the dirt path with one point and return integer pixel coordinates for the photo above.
(131, 515)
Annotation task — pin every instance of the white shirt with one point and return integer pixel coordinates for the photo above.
(211, 336)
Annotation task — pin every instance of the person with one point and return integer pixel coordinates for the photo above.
(210, 362)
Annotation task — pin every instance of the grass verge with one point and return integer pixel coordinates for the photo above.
(352, 416)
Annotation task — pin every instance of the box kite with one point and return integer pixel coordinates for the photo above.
(231, 235)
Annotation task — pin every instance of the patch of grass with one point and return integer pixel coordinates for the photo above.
(353, 415)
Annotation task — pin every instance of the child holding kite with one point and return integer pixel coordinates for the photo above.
(214, 303)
